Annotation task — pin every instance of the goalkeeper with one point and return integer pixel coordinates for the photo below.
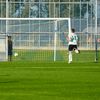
(10, 48)
(73, 42)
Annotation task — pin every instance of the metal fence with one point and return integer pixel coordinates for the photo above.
(28, 34)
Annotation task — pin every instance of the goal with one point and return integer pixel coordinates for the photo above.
(37, 39)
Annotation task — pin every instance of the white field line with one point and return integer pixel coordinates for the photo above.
(56, 67)
(19, 94)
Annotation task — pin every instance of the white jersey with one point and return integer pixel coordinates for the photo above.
(73, 39)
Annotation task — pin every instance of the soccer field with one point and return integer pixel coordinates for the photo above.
(61, 55)
(49, 81)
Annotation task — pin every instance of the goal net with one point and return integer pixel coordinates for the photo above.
(37, 39)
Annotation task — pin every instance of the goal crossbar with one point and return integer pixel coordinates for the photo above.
(34, 18)
(55, 26)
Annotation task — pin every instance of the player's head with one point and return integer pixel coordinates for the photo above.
(9, 37)
(73, 30)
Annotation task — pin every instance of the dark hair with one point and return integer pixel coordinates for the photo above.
(9, 36)
(73, 30)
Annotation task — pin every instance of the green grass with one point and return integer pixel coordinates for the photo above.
(49, 81)
(48, 56)
(34, 55)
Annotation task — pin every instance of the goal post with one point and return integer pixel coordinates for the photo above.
(97, 47)
(37, 34)
(3, 47)
(56, 30)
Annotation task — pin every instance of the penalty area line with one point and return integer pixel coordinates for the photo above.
(57, 67)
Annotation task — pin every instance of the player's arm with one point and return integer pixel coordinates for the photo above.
(67, 37)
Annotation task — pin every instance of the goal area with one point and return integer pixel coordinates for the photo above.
(37, 39)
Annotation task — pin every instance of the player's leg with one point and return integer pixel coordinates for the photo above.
(9, 55)
(76, 49)
(70, 57)
(70, 48)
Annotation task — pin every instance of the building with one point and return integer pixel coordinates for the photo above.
(81, 12)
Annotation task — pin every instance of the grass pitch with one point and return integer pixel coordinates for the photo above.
(49, 81)
(61, 55)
